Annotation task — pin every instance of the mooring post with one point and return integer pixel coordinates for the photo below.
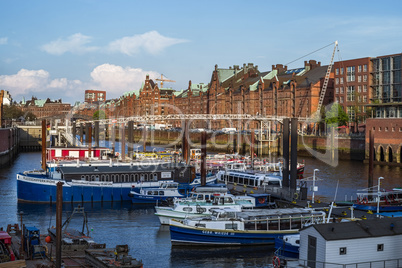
(371, 158)
(123, 141)
(293, 156)
(130, 145)
(285, 146)
(203, 158)
(74, 133)
(89, 139)
(252, 148)
(44, 144)
(59, 211)
(96, 133)
(185, 145)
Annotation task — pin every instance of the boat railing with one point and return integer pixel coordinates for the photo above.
(381, 263)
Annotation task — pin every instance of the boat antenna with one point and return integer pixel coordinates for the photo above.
(332, 203)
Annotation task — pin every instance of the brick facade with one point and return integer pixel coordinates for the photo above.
(387, 139)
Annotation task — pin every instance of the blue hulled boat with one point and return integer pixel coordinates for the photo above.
(100, 183)
(228, 227)
(152, 195)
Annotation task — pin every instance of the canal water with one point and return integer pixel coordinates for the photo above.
(137, 226)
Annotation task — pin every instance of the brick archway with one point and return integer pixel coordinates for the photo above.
(389, 155)
(380, 155)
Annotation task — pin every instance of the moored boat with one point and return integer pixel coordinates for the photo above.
(152, 195)
(381, 200)
(97, 183)
(288, 246)
(228, 227)
(201, 202)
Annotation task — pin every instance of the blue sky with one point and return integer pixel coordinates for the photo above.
(58, 49)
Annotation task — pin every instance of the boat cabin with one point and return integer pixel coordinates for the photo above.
(177, 172)
(251, 179)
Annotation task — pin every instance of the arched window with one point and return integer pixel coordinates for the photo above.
(390, 155)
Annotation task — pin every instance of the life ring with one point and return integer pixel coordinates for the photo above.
(296, 196)
(365, 200)
(261, 200)
(276, 262)
(117, 154)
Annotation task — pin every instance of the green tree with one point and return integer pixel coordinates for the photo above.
(99, 114)
(336, 116)
(12, 112)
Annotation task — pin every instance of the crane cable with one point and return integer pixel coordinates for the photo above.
(287, 64)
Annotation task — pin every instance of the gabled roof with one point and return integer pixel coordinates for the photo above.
(359, 229)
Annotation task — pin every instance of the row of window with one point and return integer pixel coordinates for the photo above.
(351, 97)
(343, 250)
(351, 78)
(351, 69)
(142, 177)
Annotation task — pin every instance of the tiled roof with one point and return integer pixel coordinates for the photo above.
(359, 229)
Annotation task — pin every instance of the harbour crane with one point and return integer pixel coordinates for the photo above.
(163, 80)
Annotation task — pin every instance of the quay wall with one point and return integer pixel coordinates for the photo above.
(349, 148)
(30, 138)
(9, 145)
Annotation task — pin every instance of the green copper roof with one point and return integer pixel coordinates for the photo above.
(40, 103)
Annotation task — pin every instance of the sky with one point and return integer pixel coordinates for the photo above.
(59, 49)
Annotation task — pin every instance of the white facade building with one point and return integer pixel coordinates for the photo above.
(365, 243)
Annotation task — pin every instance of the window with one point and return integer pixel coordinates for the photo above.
(364, 88)
(341, 81)
(336, 81)
(359, 68)
(359, 88)
(365, 68)
(380, 247)
(364, 98)
(341, 90)
(337, 71)
(359, 78)
(365, 78)
(342, 70)
(350, 74)
(342, 251)
(337, 90)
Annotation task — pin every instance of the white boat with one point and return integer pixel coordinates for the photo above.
(151, 195)
(228, 227)
(201, 202)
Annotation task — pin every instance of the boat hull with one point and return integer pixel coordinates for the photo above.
(286, 249)
(39, 189)
(208, 237)
(382, 208)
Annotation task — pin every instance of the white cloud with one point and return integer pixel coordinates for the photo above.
(3, 40)
(116, 80)
(151, 42)
(74, 44)
(31, 82)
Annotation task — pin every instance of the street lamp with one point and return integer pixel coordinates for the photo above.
(378, 195)
(315, 170)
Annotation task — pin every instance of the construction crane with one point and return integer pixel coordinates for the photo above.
(163, 80)
(325, 84)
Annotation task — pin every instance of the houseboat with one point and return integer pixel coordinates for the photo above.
(98, 183)
(152, 195)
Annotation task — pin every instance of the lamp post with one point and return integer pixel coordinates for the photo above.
(315, 170)
(378, 195)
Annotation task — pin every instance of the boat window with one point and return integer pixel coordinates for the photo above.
(161, 193)
(136, 177)
(182, 174)
(342, 251)
(126, 178)
(83, 177)
(103, 178)
(232, 226)
(221, 201)
(142, 177)
(150, 192)
(107, 177)
(228, 200)
(207, 198)
(200, 197)
(202, 225)
(246, 181)
(132, 178)
(145, 177)
(187, 209)
(97, 178)
(112, 177)
(87, 178)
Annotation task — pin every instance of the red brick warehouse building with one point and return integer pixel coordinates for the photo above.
(279, 92)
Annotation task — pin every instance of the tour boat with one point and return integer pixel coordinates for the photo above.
(201, 202)
(372, 199)
(228, 227)
(152, 195)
